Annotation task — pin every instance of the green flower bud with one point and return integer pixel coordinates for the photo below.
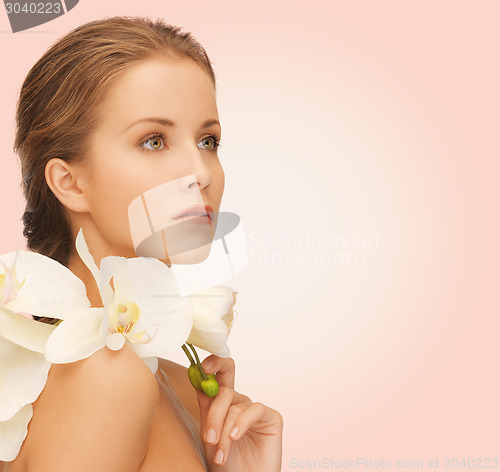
(210, 386)
(195, 376)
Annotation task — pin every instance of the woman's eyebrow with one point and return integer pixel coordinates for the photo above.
(167, 122)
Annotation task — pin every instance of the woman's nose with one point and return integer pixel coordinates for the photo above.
(195, 164)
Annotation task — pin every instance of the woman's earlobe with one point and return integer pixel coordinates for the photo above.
(63, 180)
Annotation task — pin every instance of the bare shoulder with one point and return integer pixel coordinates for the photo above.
(178, 375)
(94, 414)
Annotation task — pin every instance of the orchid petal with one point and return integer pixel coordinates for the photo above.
(77, 337)
(136, 337)
(156, 292)
(22, 378)
(48, 287)
(27, 333)
(129, 313)
(143, 350)
(115, 341)
(13, 432)
(229, 318)
(209, 330)
(173, 329)
(145, 277)
(83, 252)
(213, 318)
(213, 343)
(218, 299)
(224, 352)
(170, 337)
(9, 284)
(112, 317)
(111, 266)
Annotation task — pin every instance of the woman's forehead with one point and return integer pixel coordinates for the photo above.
(178, 89)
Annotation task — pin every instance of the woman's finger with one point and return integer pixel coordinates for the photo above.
(260, 418)
(213, 412)
(224, 444)
(222, 367)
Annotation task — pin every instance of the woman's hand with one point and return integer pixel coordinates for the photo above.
(257, 446)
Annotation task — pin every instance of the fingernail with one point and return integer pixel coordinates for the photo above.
(207, 365)
(219, 456)
(211, 435)
(234, 432)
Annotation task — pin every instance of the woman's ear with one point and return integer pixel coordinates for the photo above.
(65, 182)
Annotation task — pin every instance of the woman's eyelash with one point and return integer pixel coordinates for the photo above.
(217, 141)
(155, 135)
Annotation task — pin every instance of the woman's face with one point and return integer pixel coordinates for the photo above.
(158, 125)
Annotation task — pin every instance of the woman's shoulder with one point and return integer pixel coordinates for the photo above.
(93, 412)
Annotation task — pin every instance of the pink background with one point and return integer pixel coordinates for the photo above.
(375, 122)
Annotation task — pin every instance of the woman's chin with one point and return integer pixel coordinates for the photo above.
(193, 256)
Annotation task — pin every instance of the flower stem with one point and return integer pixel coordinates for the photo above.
(188, 354)
(205, 377)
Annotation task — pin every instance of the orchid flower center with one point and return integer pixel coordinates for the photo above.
(123, 319)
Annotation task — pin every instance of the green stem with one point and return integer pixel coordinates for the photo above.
(188, 354)
(198, 362)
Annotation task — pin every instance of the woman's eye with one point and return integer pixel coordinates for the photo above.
(210, 143)
(155, 142)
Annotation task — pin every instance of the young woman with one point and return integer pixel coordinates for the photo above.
(114, 108)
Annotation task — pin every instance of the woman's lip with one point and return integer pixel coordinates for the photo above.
(196, 209)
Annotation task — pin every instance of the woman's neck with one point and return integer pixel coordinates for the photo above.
(99, 249)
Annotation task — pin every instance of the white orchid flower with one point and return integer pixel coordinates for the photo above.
(213, 319)
(13, 432)
(47, 288)
(23, 374)
(143, 308)
(9, 285)
(23, 369)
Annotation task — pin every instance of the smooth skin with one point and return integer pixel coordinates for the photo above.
(92, 415)
(128, 157)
